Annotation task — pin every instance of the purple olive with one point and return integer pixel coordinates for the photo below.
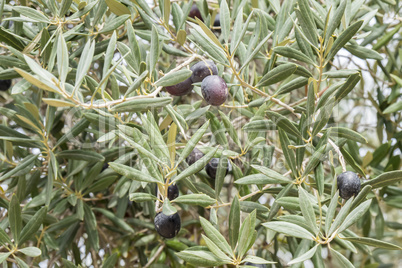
(195, 12)
(214, 90)
(348, 184)
(212, 167)
(167, 226)
(194, 156)
(181, 89)
(203, 69)
(5, 84)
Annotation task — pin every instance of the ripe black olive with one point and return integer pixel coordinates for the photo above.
(194, 156)
(5, 84)
(203, 69)
(180, 89)
(167, 226)
(195, 12)
(212, 167)
(214, 90)
(348, 184)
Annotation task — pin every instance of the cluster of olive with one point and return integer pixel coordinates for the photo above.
(168, 226)
(213, 87)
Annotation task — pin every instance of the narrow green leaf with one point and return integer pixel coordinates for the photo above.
(356, 214)
(174, 78)
(234, 222)
(197, 166)
(31, 251)
(284, 123)
(215, 249)
(195, 200)
(215, 236)
(318, 156)
(277, 74)
(116, 220)
(114, 23)
(4, 239)
(345, 36)
(307, 210)
(84, 63)
(154, 50)
(385, 179)
(141, 104)
(361, 196)
(335, 20)
(81, 155)
(292, 85)
(110, 261)
(393, 108)
(137, 83)
(31, 13)
(293, 54)
(195, 138)
(363, 52)
(167, 208)
(306, 256)
(14, 217)
(306, 20)
(256, 260)
(341, 260)
(225, 20)
(350, 83)
(247, 230)
(340, 218)
(33, 225)
(323, 117)
(260, 179)
(288, 153)
(166, 11)
(142, 197)
(132, 173)
(230, 128)
(22, 165)
(347, 133)
(200, 257)
(289, 229)
(4, 256)
(373, 242)
(62, 58)
(223, 166)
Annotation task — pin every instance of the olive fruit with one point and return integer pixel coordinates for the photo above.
(5, 84)
(195, 12)
(348, 184)
(180, 89)
(173, 191)
(203, 69)
(194, 156)
(255, 265)
(214, 90)
(217, 21)
(167, 226)
(212, 167)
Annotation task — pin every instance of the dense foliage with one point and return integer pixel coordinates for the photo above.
(102, 167)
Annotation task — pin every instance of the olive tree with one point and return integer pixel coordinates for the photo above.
(200, 133)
